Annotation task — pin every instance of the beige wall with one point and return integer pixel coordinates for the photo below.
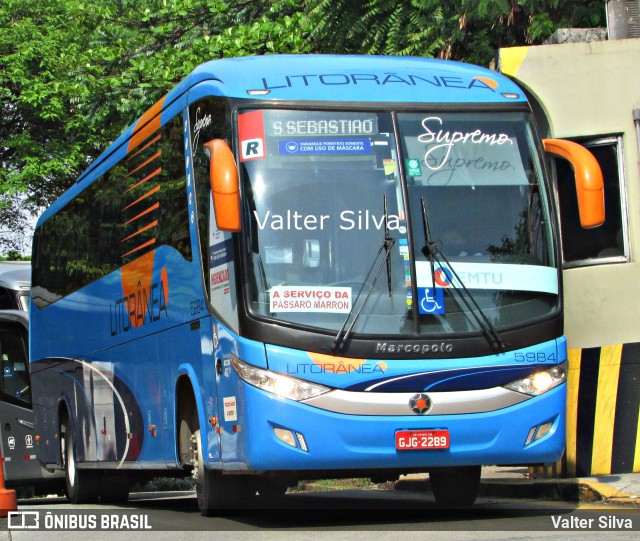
(591, 89)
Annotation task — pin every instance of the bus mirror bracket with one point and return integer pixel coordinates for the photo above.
(589, 181)
(223, 177)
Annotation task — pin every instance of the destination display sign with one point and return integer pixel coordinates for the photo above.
(315, 123)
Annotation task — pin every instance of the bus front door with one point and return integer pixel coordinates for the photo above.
(17, 444)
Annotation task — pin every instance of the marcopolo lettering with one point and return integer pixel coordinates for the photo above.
(422, 348)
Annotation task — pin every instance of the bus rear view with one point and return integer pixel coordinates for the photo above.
(372, 288)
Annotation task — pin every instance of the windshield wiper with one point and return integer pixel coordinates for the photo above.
(387, 244)
(434, 254)
(430, 247)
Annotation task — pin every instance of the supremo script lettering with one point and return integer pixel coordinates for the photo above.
(201, 122)
(444, 141)
(139, 308)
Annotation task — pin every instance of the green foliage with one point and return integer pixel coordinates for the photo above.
(75, 73)
(467, 30)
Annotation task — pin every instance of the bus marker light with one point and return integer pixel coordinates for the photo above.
(213, 421)
(532, 433)
(302, 442)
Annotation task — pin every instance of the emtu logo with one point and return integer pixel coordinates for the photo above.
(443, 276)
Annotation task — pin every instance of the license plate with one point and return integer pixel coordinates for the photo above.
(409, 440)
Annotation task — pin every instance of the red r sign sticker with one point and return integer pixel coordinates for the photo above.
(251, 136)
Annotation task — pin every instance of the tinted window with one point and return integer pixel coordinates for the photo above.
(137, 206)
(15, 385)
(600, 244)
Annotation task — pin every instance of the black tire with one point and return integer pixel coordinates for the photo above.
(208, 483)
(217, 492)
(114, 488)
(81, 486)
(455, 487)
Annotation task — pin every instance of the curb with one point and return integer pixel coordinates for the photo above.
(568, 490)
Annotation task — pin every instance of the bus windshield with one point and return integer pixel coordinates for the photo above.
(330, 192)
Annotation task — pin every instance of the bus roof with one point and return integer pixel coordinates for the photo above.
(325, 78)
(354, 78)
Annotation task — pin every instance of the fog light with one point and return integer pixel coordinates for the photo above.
(543, 430)
(538, 432)
(285, 436)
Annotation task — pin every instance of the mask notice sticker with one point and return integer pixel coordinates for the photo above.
(324, 146)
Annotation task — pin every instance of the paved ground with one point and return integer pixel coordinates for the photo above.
(512, 482)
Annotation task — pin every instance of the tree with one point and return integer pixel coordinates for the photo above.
(468, 30)
(75, 73)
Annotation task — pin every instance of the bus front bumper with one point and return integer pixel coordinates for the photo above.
(276, 434)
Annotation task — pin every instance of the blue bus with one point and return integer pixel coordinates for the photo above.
(300, 267)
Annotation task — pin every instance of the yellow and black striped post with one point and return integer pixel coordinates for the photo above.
(603, 404)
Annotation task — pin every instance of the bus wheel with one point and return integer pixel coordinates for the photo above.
(208, 482)
(81, 486)
(455, 487)
(217, 492)
(114, 488)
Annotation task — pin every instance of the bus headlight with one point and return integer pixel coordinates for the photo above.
(278, 384)
(540, 382)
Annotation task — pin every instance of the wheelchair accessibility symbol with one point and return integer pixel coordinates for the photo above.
(430, 300)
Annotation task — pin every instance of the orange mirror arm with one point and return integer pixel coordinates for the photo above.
(589, 181)
(223, 177)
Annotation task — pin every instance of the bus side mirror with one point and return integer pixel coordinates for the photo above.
(589, 182)
(223, 177)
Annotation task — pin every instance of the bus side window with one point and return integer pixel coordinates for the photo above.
(5, 299)
(209, 120)
(608, 242)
